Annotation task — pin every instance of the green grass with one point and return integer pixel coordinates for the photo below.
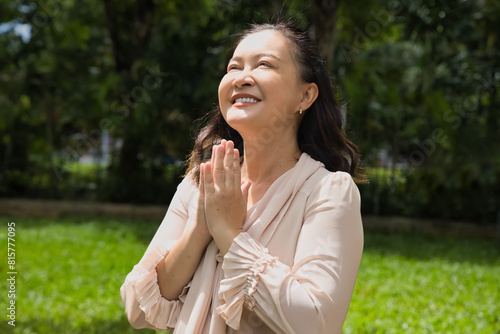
(415, 284)
(70, 271)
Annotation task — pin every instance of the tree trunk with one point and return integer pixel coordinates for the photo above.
(49, 134)
(323, 17)
(143, 22)
(122, 64)
(6, 157)
(126, 53)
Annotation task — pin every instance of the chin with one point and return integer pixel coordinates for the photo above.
(236, 116)
(241, 123)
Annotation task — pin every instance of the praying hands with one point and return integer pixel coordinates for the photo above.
(223, 195)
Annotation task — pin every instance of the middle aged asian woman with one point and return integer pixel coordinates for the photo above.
(264, 234)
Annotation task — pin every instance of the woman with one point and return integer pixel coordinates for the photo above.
(264, 233)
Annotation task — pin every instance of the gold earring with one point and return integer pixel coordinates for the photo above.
(300, 111)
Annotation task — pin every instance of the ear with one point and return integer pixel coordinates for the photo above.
(310, 94)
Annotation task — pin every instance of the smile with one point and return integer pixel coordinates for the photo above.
(245, 100)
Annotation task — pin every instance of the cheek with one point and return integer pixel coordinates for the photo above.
(223, 92)
(224, 86)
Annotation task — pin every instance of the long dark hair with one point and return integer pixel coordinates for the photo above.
(320, 133)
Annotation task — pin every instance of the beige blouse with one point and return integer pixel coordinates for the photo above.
(293, 270)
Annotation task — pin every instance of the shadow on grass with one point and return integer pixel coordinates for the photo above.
(40, 326)
(478, 251)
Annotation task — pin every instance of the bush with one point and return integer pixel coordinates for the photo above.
(432, 193)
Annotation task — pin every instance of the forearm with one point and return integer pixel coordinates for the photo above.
(178, 267)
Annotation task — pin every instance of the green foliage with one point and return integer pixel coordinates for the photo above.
(421, 83)
(419, 80)
(70, 271)
(432, 192)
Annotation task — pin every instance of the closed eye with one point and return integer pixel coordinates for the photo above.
(265, 64)
(232, 67)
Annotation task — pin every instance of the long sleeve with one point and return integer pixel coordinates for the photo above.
(313, 295)
(145, 307)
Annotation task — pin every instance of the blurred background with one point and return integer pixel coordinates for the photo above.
(100, 100)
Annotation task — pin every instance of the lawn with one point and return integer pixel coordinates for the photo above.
(70, 271)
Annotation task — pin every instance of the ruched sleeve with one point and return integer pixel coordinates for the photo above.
(314, 294)
(145, 307)
(242, 266)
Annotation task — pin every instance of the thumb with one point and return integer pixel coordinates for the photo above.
(244, 189)
(202, 184)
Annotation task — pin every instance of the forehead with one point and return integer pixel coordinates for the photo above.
(264, 41)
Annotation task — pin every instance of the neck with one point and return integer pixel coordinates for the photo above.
(264, 163)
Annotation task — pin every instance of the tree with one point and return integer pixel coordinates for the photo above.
(323, 18)
(419, 83)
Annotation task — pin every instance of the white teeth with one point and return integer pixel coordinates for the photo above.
(246, 99)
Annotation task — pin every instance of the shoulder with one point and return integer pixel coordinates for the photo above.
(188, 183)
(335, 181)
(324, 181)
(338, 188)
(186, 190)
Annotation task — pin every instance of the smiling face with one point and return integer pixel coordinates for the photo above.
(262, 88)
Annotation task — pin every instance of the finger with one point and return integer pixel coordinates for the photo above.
(202, 182)
(207, 179)
(237, 168)
(214, 149)
(218, 166)
(222, 143)
(245, 187)
(228, 164)
(212, 158)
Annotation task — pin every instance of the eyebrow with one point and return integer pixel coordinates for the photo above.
(259, 55)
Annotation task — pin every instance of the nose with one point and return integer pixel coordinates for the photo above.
(243, 78)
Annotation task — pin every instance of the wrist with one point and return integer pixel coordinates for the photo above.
(225, 237)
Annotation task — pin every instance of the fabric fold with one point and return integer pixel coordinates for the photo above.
(158, 311)
(261, 221)
(197, 304)
(243, 264)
